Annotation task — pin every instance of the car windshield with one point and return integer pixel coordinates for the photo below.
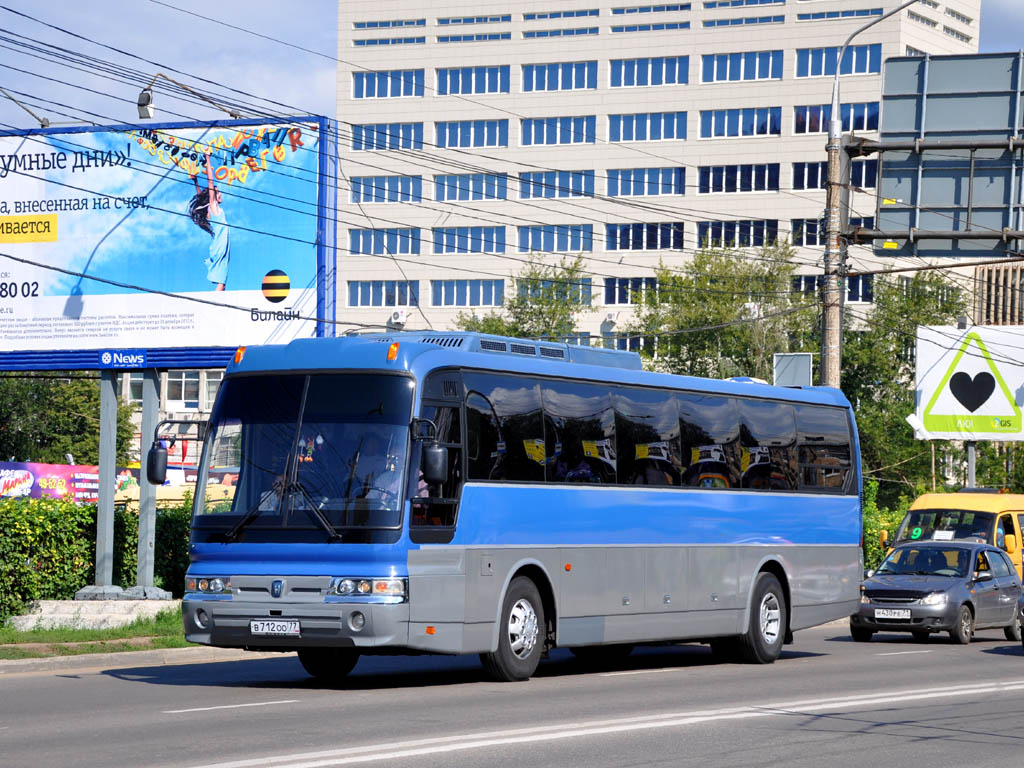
(927, 561)
(293, 457)
(945, 525)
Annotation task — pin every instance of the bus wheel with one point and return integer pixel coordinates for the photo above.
(520, 634)
(330, 665)
(766, 631)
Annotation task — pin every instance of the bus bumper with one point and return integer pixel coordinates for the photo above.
(243, 624)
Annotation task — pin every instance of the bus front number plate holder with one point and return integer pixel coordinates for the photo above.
(286, 628)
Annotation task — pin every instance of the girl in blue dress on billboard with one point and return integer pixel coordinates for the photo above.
(206, 211)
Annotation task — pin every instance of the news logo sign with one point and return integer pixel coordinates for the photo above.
(122, 358)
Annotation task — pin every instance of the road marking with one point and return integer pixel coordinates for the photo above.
(900, 653)
(230, 706)
(470, 741)
(642, 672)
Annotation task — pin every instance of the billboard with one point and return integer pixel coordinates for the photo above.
(970, 382)
(175, 236)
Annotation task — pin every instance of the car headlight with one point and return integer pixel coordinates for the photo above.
(215, 586)
(935, 598)
(344, 586)
(865, 600)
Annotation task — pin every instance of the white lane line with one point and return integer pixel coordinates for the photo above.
(469, 741)
(642, 672)
(230, 706)
(900, 653)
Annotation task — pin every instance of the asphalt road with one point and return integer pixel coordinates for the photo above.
(826, 702)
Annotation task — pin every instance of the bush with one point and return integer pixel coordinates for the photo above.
(172, 547)
(878, 519)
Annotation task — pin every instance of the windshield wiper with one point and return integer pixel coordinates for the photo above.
(246, 520)
(314, 510)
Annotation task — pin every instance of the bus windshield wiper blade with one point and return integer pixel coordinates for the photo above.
(314, 510)
(246, 520)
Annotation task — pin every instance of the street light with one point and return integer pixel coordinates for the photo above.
(145, 102)
(834, 260)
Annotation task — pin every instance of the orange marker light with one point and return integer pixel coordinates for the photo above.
(568, 567)
(430, 630)
(239, 354)
(393, 351)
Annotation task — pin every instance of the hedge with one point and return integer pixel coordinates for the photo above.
(48, 549)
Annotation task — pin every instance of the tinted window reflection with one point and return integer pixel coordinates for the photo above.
(709, 434)
(580, 430)
(767, 445)
(647, 430)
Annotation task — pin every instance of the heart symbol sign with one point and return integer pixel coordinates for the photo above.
(972, 393)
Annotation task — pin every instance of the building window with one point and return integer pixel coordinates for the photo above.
(821, 62)
(647, 126)
(389, 84)
(467, 293)
(560, 76)
(664, 8)
(863, 173)
(559, 130)
(761, 177)
(830, 15)
(182, 390)
(470, 80)
(656, 70)
(471, 186)
(556, 238)
(384, 241)
(479, 37)
(383, 293)
(929, 3)
(629, 290)
(659, 26)
(474, 19)
(469, 240)
(752, 121)
(734, 67)
(741, 21)
(644, 236)
(387, 189)
(710, 4)
(811, 232)
(538, 33)
(580, 291)
(861, 116)
(213, 379)
(560, 14)
(634, 182)
(390, 41)
(956, 34)
(922, 19)
(912, 51)
(746, 233)
(132, 391)
(472, 133)
(387, 136)
(389, 24)
(556, 184)
(859, 288)
(966, 20)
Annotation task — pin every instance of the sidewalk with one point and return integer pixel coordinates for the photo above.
(95, 662)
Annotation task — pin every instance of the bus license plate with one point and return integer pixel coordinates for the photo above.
(892, 613)
(274, 627)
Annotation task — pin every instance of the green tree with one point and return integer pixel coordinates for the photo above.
(45, 416)
(878, 376)
(725, 314)
(543, 304)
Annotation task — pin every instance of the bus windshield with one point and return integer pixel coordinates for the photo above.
(301, 458)
(945, 525)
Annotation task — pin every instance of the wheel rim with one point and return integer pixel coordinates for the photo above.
(522, 628)
(965, 623)
(771, 618)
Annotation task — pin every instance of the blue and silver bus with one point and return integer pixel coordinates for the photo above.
(459, 493)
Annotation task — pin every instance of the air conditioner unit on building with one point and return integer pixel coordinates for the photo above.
(397, 319)
(611, 318)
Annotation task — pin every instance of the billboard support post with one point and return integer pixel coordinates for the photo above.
(147, 491)
(971, 463)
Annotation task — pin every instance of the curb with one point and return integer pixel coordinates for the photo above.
(97, 662)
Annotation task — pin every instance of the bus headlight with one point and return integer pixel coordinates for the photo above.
(345, 587)
(214, 586)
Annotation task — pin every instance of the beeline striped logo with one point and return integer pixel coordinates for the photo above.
(276, 286)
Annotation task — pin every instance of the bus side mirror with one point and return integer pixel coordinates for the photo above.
(1011, 543)
(883, 537)
(156, 463)
(435, 463)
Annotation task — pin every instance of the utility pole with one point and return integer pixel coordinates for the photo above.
(835, 248)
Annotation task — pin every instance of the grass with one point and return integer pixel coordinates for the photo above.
(162, 631)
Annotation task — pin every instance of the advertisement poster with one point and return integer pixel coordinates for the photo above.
(970, 382)
(77, 482)
(178, 236)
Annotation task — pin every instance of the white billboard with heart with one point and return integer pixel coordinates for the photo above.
(970, 382)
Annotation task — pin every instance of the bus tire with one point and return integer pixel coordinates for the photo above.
(766, 627)
(521, 634)
(331, 665)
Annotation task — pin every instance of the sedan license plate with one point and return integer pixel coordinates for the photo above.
(892, 613)
(274, 627)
